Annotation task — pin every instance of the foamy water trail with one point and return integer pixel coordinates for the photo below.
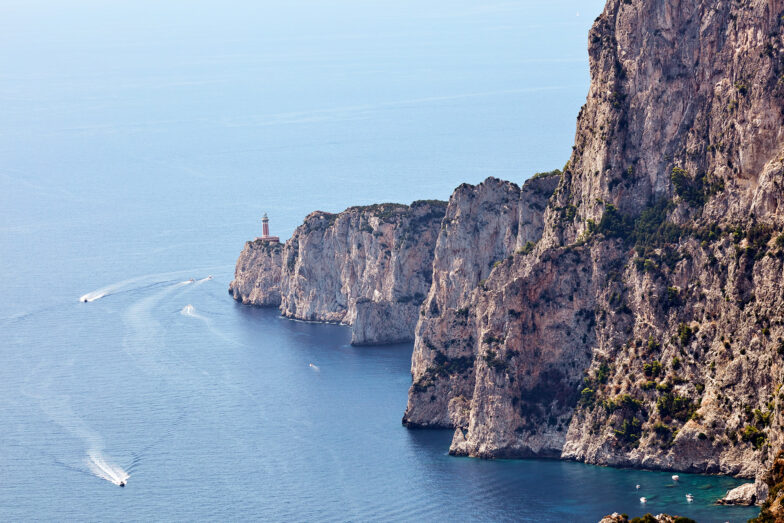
(92, 296)
(113, 288)
(59, 408)
(105, 470)
(199, 282)
(190, 311)
(133, 283)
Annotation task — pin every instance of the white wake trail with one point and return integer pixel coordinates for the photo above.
(105, 470)
(199, 282)
(142, 281)
(116, 287)
(92, 296)
(190, 311)
(59, 408)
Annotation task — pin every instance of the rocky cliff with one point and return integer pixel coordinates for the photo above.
(257, 275)
(626, 311)
(646, 326)
(483, 226)
(368, 267)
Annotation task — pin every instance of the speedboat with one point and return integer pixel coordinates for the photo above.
(675, 477)
(689, 498)
(643, 500)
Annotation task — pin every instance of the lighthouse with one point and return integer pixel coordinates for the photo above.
(265, 235)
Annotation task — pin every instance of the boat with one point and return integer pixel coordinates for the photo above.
(675, 477)
(643, 500)
(122, 483)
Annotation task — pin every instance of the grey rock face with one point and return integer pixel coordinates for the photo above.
(483, 226)
(743, 495)
(627, 312)
(368, 267)
(257, 275)
(645, 327)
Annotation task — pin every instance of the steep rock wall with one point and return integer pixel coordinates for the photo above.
(646, 327)
(483, 226)
(368, 267)
(257, 274)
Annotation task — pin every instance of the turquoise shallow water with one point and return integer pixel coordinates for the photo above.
(141, 141)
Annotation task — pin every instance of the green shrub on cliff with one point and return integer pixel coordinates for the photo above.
(694, 191)
(673, 406)
(753, 435)
(652, 369)
(629, 431)
(603, 373)
(685, 334)
(757, 238)
(494, 362)
(587, 397)
(554, 172)
(529, 246)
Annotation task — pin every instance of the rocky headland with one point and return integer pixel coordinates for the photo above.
(368, 267)
(627, 310)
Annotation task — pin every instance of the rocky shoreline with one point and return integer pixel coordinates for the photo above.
(368, 267)
(624, 311)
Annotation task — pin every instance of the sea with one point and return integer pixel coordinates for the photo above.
(140, 143)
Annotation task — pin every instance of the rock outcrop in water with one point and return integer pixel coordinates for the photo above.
(368, 267)
(647, 518)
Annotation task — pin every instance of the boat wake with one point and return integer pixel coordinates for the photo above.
(105, 470)
(127, 285)
(60, 410)
(190, 311)
(199, 282)
(139, 282)
(92, 296)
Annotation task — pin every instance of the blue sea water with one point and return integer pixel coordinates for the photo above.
(140, 141)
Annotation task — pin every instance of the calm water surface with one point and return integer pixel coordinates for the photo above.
(141, 141)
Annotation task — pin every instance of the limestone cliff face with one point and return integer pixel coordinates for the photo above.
(484, 225)
(257, 275)
(678, 161)
(689, 84)
(627, 311)
(646, 327)
(368, 267)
